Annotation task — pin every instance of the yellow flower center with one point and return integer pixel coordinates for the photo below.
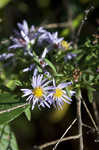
(65, 44)
(38, 92)
(58, 93)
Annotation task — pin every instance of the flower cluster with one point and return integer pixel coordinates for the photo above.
(26, 37)
(44, 94)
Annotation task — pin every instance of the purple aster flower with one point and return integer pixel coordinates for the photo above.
(6, 56)
(58, 96)
(42, 39)
(44, 53)
(30, 68)
(47, 74)
(51, 39)
(40, 31)
(69, 56)
(39, 92)
(24, 38)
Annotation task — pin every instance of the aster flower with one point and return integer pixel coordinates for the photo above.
(24, 38)
(51, 39)
(58, 96)
(30, 68)
(42, 39)
(69, 56)
(40, 31)
(6, 56)
(38, 95)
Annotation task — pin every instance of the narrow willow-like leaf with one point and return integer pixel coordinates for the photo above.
(18, 83)
(8, 115)
(51, 65)
(10, 107)
(8, 98)
(8, 101)
(7, 138)
(28, 113)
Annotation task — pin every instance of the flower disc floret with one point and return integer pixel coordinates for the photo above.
(38, 92)
(65, 44)
(58, 93)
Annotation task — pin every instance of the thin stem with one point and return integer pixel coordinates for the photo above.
(87, 110)
(96, 112)
(56, 25)
(87, 126)
(87, 11)
(10, 109)
(79, 123)
(41, 147)
(64, 134)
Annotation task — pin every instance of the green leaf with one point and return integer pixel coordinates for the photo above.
(28, 113)
(50, 64)
(75, 24)
(11, 84)
(91, 88)
(8, 98)
(7, 138)
(59, 75)
(90, 93)
(10, 114)
(18, 83)
(97, 78)
(10, 107)
(87, 43)
(39, 68)
(91, 77)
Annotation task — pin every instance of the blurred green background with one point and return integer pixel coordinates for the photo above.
(48, 125)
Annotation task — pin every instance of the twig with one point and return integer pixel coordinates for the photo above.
(87, 11)
(56, 25)
(87, 126)
(95, 112)
(10, 109)
(93, 130)
(54, 142)
(64, 134)
(87, 110)
(79, 123)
